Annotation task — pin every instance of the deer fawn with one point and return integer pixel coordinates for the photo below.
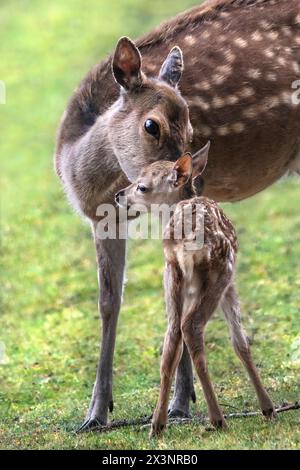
(197, 278)
(241, 59)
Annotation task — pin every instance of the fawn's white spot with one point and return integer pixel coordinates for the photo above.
(253, 73)
(286, 97)
(246, 92)
(296, 67)
(271, 76)
(250, 112)
(270, 102)
(297, 19)
(269, 53)
(281, 61)
(232, 99)
(272, 35)
(297, 39)
(218, 102)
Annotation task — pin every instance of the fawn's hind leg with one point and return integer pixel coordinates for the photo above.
(193, 325)
(172, 349)
(231, 309)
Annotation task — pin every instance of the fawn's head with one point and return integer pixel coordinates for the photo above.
(167, 182)
(150, 117)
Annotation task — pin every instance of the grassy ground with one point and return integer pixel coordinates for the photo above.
(49, 322)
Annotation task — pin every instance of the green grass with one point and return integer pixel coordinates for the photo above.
(49, 322)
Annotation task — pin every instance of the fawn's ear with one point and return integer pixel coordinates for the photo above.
(172, 67)
(182, 170)
(200, 160)
(126, 64)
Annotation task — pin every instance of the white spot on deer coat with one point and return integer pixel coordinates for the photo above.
(232, 99)
(253, 73)
(190, 40)
(281, 61)
(296, 67)
(229, 55)
(271, 76)
(265, 24)
(205, 131)
(199, 102)
(218, 102)
(287, 31)
(246, 92)
(250, 112)
(256, 36)
(218, 79)
(223, 130)
(269, 53)
(238, 127)
(206, 34)
(205, 85)
(240, 42)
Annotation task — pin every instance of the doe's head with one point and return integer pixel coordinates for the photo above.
(150, 120)
(166, 182)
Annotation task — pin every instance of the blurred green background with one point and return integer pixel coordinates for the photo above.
(49, 322)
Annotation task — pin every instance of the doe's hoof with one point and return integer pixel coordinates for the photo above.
(90, 424)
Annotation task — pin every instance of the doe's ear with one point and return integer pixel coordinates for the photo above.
(126, 64)
(200, 160)
(182, 170)
(172, 67)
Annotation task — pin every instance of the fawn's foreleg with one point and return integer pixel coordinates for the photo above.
(172, 349)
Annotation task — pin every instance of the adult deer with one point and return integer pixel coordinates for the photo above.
(241, 57)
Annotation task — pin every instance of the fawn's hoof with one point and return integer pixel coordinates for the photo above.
(157, 429)
(269, 413)
(219, 423)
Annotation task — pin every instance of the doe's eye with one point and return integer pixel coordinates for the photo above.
(152, 128)
(142, 188)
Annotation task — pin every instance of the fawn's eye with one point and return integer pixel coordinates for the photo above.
(142, 188)
(152, 128)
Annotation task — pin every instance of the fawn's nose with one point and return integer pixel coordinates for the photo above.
(119, 195)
